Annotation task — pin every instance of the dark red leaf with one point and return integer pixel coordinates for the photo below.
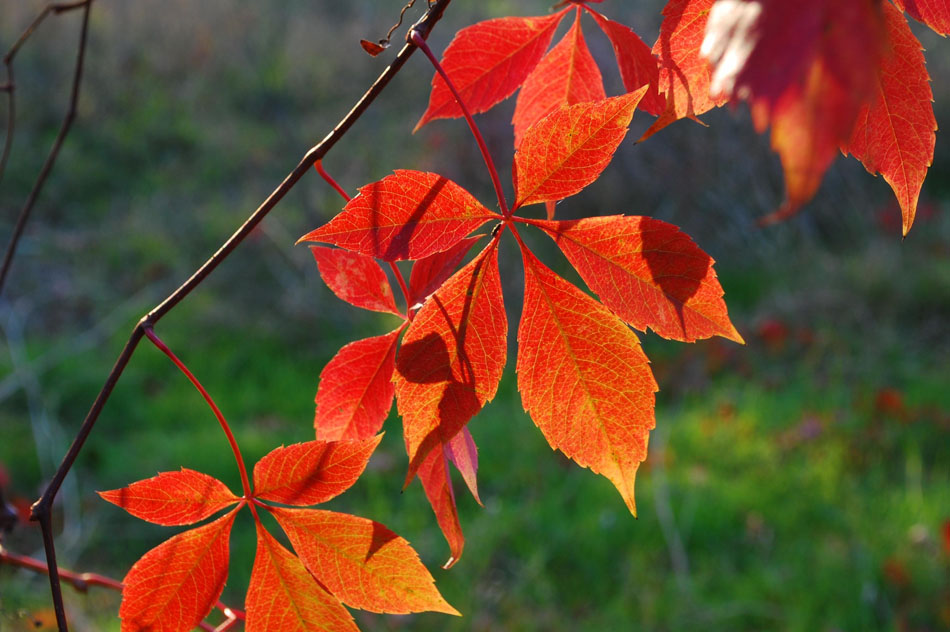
(437, 483)
(430, 272)
(355, 278)
(933, 13)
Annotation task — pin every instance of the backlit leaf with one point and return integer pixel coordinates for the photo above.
(567, 75)
(408, 215)
(487, 62)
(284, 596)
(451, 357)
(637, 63)
(684, 73)
(894, 133)
(583, 378)
(649, 273)
(430, 272)
(356, 389)
(312, 472)
(437, 484)
(806, 69)
(173, 498)
(173, 587)
(361, 562)
(355, 278)
(933, 13)
(567, 150)
(463, 453)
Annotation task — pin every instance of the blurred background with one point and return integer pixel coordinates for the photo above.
(800, 482)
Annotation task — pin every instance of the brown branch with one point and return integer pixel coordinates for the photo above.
(53, 8)
(41, 510)
(82, 581)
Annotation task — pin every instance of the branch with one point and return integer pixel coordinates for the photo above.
(82, 581)
(9, 88)
(41, 510)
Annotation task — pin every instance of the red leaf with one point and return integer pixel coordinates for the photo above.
(487, 62)
(649, 273)
(805, 68)
(313, 472)
(355, 278)
(437, 483)
(933, 13)
(684, 74)
(356, 389)
(637, 63)
(583, 378)
(361, 562)
(408, 215)
(564, 152)
(463, 453)
(567, 75)
(452, 357)
(173, 498)
(284, 596)
(432, 271)
(894, 133)
(173, 587)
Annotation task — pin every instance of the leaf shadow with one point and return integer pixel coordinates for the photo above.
(677, 271)
(380, 538)
(398, 248)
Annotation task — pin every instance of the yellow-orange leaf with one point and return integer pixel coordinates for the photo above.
(584, 379)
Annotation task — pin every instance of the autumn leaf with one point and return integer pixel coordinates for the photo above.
(583, 378)
(356, 390)
(355, 278)
(567, 150)
(437, 484)
(361, 562)
(463, 453)
(487, 62)
(284, 596)
(638, 65)
(567, 75)
(451, 357)
(894, 133)
(408, 215)
(684, 75)
(431, 272)
(649, 273)
(806, 70)
(312, 472)
(933, 13)
(173, 498)
(173, 587)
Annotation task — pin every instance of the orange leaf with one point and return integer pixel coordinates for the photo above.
(452, 357)
(487, 62)
(356, 389)
(637, 63)
(432, 271)
(284, 596)
(173, 498)
(583, 378)
(933, 13)
(806, 69)
(313, 472)
(173, 587)
(649, 273)
(408, 215)
(361, 562)
(355, 278)
(567, 150)
(437, 484)
(463, 453)
(894, 133)
(684, 74)
(567, 75)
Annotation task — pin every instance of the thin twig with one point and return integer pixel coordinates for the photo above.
(67, 123)
(41, 509)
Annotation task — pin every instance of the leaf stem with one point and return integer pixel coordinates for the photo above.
(245, 482)
(416, 38)
(318, 165)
